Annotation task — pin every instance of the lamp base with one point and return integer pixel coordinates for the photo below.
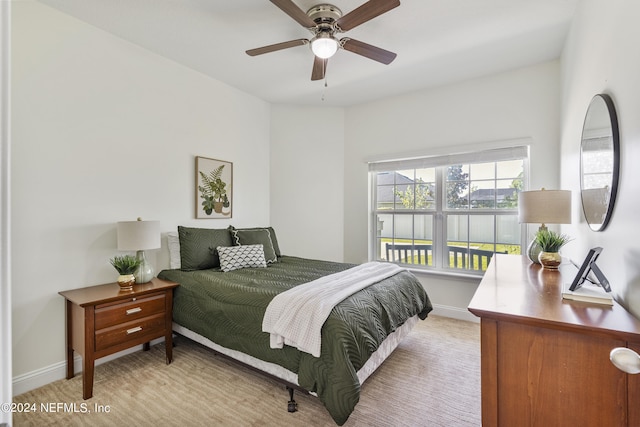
(533, 250)
(144, 273)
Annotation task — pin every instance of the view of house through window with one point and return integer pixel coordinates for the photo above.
(447, 217)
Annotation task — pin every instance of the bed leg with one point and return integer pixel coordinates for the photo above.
(293, 405)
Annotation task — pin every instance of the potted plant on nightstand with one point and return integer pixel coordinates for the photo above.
(126, 265)
(550, 242)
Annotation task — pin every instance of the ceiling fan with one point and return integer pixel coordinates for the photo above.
(325, 21)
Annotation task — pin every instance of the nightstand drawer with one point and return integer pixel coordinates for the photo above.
(131, 331)
(133, 308)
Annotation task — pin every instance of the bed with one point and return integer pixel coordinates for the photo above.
(225, 311)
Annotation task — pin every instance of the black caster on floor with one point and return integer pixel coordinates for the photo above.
(292, 406)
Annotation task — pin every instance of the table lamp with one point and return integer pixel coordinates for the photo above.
(544, 207)
(139, 236)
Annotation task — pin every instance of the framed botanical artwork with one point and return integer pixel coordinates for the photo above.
(214, 185)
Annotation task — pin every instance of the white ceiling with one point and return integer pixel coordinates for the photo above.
(437, 42)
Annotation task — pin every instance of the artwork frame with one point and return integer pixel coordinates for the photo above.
(214, 188)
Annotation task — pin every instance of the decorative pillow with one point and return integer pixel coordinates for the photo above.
(198, 247)
(237, 257)
(173, 242)
(255, 236)
(272, 234)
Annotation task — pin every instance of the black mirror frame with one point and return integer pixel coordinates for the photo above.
(615, 136)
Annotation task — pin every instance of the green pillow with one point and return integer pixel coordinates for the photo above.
(198, 247)
(255, 236)
(272, 234)
(274, 240)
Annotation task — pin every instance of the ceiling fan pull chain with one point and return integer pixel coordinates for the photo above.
(324, 66)
(325, 85)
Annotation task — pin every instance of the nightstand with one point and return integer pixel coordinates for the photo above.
(102, 320)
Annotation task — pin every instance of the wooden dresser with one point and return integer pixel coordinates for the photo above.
(545, 360)
(102, 320)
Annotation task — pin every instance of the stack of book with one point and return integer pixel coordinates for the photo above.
(588, 293)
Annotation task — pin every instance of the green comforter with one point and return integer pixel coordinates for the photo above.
(228, 308)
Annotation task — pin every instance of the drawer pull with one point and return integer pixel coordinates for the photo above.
(134, 330)
(626, 360)
(134, 310)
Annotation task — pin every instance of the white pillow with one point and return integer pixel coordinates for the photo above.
(173, 242)
(236, 257)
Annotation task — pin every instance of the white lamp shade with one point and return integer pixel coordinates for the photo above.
(138, 235)
(544, 207)
(324, 47)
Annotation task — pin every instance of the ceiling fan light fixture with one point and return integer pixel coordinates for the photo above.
(324, 45)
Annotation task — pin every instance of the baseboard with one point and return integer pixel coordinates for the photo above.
(454, 312)
(43, 376)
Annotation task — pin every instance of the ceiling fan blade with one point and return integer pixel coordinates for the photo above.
(295, 12)
(365, 12)
(319, 68)
(277, 46)
(367, 50)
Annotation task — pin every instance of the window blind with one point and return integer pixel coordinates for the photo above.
(493, 155)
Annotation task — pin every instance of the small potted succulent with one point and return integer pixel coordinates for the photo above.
(126, 265)
(550, 242)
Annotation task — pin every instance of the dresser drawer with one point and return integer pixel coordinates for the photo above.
(146, 329)
(131, 309)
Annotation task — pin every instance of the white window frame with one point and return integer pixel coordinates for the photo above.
(481, 153)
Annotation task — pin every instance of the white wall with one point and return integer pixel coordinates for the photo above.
(601, 56)
(105, 131)
(307, 180)
(519, 104)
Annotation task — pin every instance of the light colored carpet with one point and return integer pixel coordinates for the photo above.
(431, 379)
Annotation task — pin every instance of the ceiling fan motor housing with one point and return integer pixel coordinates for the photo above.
(324, 15)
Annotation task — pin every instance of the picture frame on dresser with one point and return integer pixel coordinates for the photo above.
(589, 265)
(214, 188)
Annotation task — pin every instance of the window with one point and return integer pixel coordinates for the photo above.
(448, 213)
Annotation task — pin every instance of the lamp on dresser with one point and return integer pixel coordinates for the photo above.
(543, 207)
(139, 236)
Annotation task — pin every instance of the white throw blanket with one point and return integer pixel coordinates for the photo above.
(295, 317)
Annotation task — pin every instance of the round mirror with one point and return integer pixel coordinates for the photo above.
(599, 162)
